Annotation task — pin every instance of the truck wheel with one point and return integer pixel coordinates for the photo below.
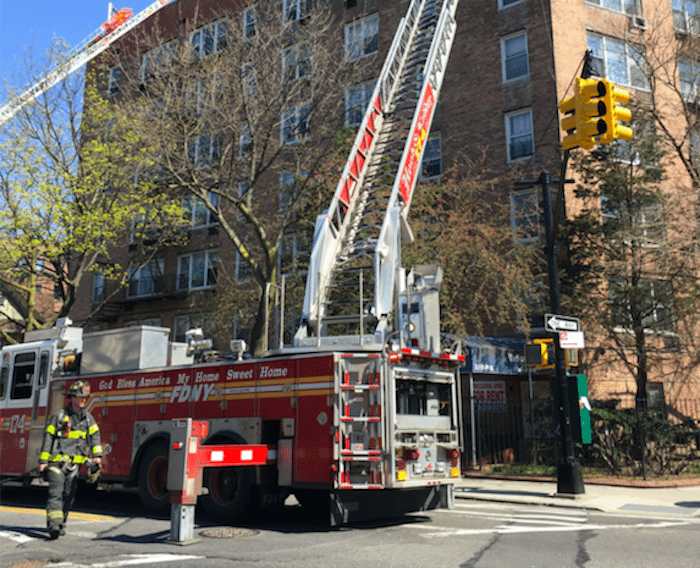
(153, 478)
(230, 490)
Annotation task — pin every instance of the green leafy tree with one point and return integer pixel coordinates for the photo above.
(631, 271)
(67, 190)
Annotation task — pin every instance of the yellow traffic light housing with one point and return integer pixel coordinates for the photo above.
(591, 110)
(568, 123)
(537, 353)
(615, 113)
(584, 114)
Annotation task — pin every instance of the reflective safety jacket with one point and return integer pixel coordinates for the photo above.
(71, 437)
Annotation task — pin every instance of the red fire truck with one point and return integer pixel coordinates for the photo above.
(359, 413)
(338, 425)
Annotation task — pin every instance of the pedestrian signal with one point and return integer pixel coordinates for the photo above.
(539, 353)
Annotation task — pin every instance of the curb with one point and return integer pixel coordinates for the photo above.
(610, 481)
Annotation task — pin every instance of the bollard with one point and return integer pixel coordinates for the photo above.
(184, 477)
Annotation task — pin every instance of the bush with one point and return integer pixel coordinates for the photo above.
(628, 440)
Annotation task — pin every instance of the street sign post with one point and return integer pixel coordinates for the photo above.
(556, 323)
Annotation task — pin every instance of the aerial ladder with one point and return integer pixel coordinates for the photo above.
(117, 25)
(355, 283)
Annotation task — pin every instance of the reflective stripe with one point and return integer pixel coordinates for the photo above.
(44, 456)
(76, 434)
(65, 457)
(54, 514)
(96, 450)
(51, 429)
(94, 428)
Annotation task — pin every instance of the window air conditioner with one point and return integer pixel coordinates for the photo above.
(638, 22)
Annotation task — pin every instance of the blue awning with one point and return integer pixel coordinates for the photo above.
(493, 355)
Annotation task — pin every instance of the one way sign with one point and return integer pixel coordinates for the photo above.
(556, 323)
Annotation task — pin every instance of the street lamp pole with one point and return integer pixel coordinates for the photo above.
(569, 476)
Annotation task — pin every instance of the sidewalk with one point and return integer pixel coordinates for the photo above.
(674, 501)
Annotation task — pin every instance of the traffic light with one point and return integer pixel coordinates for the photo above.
(584, 114)
(615, 111)
(590, 122)
(539, 353)
(568, 123)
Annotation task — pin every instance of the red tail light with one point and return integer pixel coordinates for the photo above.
(411, 455)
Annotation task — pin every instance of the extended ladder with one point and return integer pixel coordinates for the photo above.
(88, 49)
(351, 284)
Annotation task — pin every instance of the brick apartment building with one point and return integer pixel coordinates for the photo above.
(512, 62)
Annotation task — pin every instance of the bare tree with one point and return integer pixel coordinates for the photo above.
(241, 115)
(492, 275)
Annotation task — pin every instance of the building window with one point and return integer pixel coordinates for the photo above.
(362, 38)
(97, 294)
(245, 142)
(650, 301)
(295, 124)
(525, 215)
(357, 100)
(197, 214)
(617, 61)
(645, 226)
(296, 62)
(115, 74)
(686, 16)
(519, 135)
(655, 398)
(146, 280)
(293, 253)
(249, 22)
(294, 10)
(689, 75)
(204, 150)
(198, 270)
(182, 324)
(506, 3)
(514, 57)
(287, 182)
(628, 7)
(432, 158)
(209, 39)
(157, 60)
(243, 271)
(248, 77)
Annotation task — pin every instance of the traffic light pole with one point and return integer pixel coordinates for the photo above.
(569, 476)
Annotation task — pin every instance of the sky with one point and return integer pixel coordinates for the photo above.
(35, 22)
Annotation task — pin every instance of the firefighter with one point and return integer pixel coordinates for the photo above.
(70, 438)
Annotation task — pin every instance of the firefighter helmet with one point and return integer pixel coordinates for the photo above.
(79, 389)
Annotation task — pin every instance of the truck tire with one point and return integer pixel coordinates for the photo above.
(153, 477)
(229, 488)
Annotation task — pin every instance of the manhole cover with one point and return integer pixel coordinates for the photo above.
(229, 532)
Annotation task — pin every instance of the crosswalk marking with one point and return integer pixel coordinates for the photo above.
(14, 536)
(131, 560)
(517, 520)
